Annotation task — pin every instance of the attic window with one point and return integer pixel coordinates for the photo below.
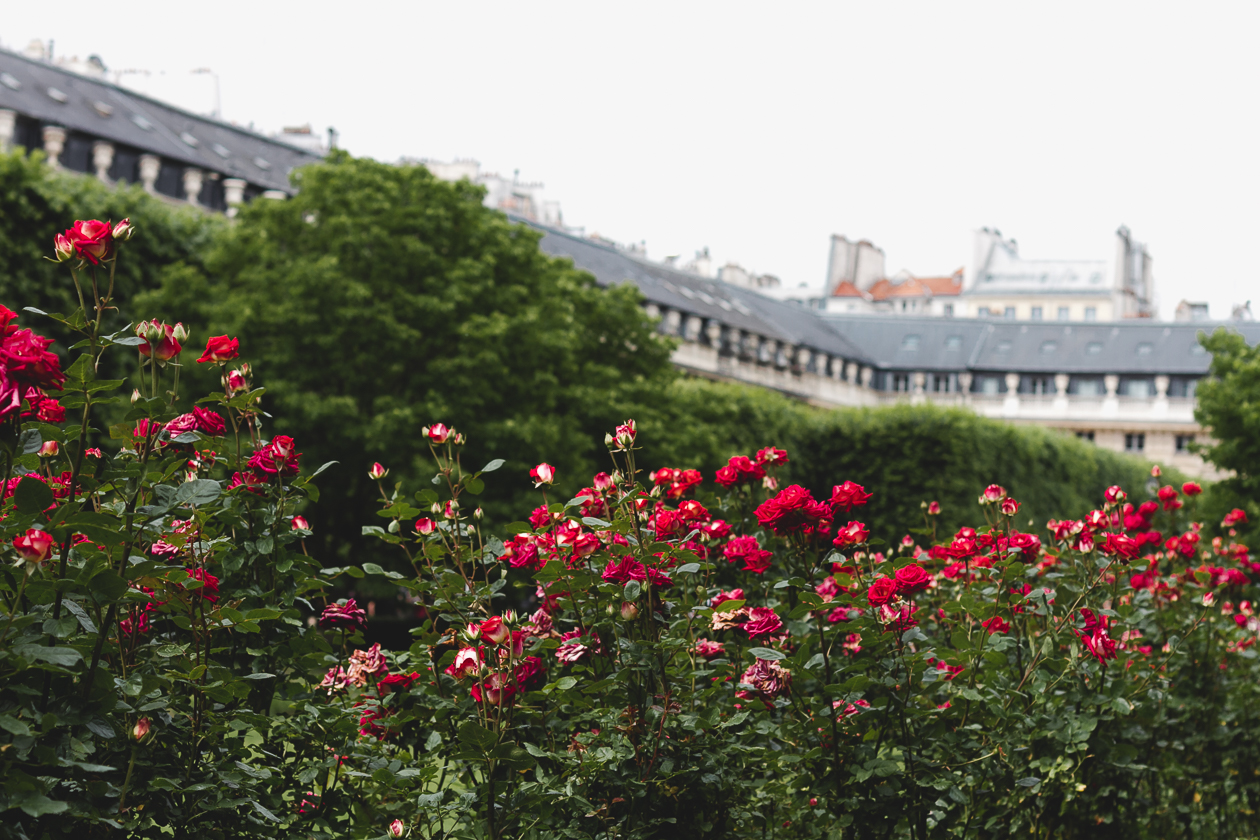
(142, 122)
(103, 108)
(1048, 347)
(189, 139)
(910, 342)
(221, 150)
(1145, 348)
(261, 163)
(1003, 347)
(58, 95)
(953, 342)
(10, 82)
(1094, 348)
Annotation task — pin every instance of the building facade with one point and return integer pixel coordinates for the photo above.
(90, 125)
(1127, 386)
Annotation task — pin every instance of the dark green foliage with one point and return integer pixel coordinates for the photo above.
(1229, 408)
(381, 300)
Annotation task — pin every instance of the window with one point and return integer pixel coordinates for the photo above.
(901, 382)
(1048, 347)
(982, 312)
(943, 383)
(1087, 388)
(1145, 348)
(1134, 442)
(1089, 436)
(1064, 313)
(1035, 313)
(1091, 313)
(989, 385)
(910, 342)
(1138, 389)
(1040, 385)
(1009, 313)
(953, 342)
(948, 310)
(1094, 348)
(1183, 443)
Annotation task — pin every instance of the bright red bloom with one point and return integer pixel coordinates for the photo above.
(770, 455)
(1095, 636)
(855, 533)
(467, 664)
(27, 362)
(992, 494)
(746, 548)
(881, 591)
(438, 433)
(1009, 507)
(912, 578)
(92, 240)
(1122, 546)
(847, 496)
(530, 674)
(159, 340)
(275, 458)
(34, 546)
(220, 348)
(1191, 488)
(542, 474)
(997, 624)
(492, 630)
(792, 511)
(1114, 495)
(1237, 516)
(209, 584)
(627, 570)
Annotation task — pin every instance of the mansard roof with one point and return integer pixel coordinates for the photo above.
(714, 300)
(1132, 348)
(56, 96)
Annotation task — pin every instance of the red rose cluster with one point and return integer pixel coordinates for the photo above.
(27, 369)
(92, 242)
(276, 459)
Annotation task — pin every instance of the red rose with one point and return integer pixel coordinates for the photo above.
(727, 476)
(159, 340)
(34, 546)
(762, 621)
(770, 455)
(881, 592)
(847, 496)
(343, 616)
(28, 362)
(208, 422)
(855, 533)
(396, 682)
(209, 584)
(1122, 546)
(530, 674)
(997, 624)
(92, 240)
(912, 578)
(793, 510)
(220, 348)
(1191, 488)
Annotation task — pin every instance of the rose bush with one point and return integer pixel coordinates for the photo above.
(666, 654)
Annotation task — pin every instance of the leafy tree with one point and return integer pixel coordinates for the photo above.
(381, 299)
(1229, 407)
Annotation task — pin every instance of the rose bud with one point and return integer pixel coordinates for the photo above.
(141, 729)
(234, 382)
(603, 482)
(452, 509)
(300, 524)
(159, 341)
(63, 248)
(124, 230)
(478, 514)
(934, 508)
(220, 349)
(438, 433)
(993, 493)
(49, 449)
(543, 474)
(1010, 507)
(377, 472)
(625, 434)
(135, 395)
(425, 526)
(396, 828)
(34, 546)
(609, 440)
(1114, 495)
(629, 611)
(1155, 471)
(179, 332)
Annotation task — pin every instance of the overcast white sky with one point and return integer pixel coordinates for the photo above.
(759, 131)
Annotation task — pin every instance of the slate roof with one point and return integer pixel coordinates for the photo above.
(728, 304)
(101, 109)
(954, 344)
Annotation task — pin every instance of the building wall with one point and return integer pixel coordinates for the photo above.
(1105, 307)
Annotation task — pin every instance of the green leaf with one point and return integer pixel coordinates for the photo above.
(259, 676)
(37, 804)
(14, 726)
(474, 485)
(30, 442)
(1028, 781)
(475, 736)
(260, 809)
(493, 465)
(767, 653)
(374, 569)
(433, 741)
(688, 568)
(199, 491)
(565, 683)
(108, 586)
(632, 590)
(735, 721)
(64, 656)
(32, 495)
